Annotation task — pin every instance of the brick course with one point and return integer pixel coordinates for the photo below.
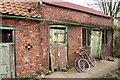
(64, 14)
(28, 32)
(74, 42)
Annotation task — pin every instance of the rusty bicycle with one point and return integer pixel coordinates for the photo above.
(84, 60)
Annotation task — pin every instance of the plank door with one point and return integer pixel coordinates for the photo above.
(7, 66)
(7, 62)
(58, 48)
(96, 39)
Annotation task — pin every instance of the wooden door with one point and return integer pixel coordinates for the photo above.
(7, 66)
(58, 48)
(96, 39)
(7, 62)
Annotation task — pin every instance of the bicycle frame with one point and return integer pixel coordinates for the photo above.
(83, 60)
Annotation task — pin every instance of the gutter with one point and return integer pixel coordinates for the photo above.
(41, 19)
(37, 19)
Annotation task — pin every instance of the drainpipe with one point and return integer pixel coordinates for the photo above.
(113, 50)
(112, 42)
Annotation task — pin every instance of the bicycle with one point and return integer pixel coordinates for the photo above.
(84, 60)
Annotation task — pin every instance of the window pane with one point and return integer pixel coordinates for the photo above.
(102, 36)
(61, 36)
(0, 35)
(83, 37)
(106, 37)
(6, 35)
(88, 36)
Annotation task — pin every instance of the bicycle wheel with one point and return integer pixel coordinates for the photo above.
(84, 65)
(92, 60)
(76, 65)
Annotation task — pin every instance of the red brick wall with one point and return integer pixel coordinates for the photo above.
(74, 42)
(107, 48)
(33, 33)
(63, 14)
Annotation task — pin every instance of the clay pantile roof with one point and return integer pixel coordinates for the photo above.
(27, 9)
(64, 4)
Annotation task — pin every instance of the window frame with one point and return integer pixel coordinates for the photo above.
(104, 37)
(11, 29)
(87, 42)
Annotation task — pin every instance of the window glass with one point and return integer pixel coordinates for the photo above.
(6, 36)
(0, 35)
(83, 36)
(60, 36)
(86, 37)
(104, 37)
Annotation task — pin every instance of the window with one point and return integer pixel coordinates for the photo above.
(60, 36)
(86, 37)
(6, 35)
(104, 37)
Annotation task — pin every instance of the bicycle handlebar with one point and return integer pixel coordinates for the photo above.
(82, 51)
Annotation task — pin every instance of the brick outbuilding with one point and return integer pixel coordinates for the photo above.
(45, 35)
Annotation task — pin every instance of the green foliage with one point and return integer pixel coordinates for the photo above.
(27, 76)
(116, 54)
(35, 75)
(48, 72)
(115, 27)
(64, 70)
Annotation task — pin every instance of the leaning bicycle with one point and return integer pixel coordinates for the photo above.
(84, 60)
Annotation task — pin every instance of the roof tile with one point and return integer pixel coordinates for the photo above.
(19, 8)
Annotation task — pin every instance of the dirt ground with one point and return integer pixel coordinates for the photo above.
(114, 74)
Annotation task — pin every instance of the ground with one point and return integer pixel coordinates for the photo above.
(99, 72)
(114, 74)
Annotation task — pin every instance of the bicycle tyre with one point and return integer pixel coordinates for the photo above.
(76, 65)
(92, 60)
(84, 65)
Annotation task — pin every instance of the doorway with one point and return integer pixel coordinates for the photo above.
(58, 47)
(96, 42)
(7, 61)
